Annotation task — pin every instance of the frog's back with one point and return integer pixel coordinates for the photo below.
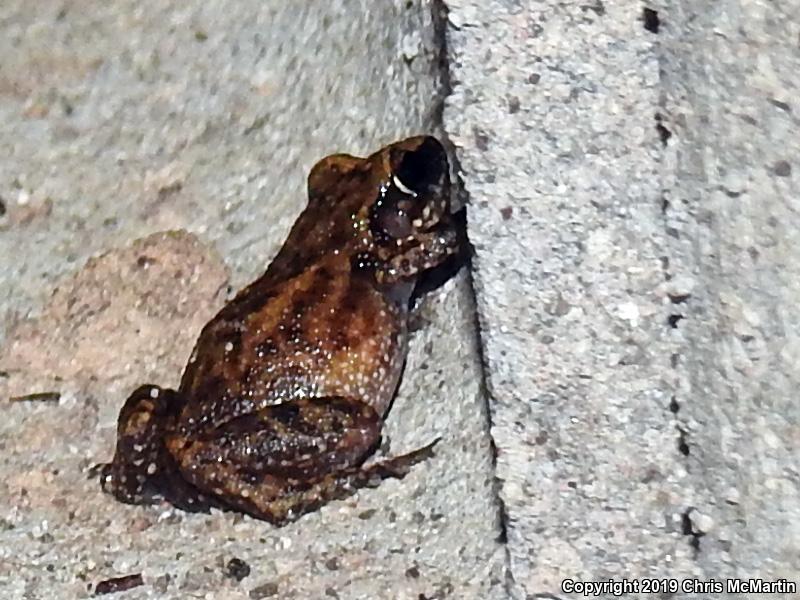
(324, 331)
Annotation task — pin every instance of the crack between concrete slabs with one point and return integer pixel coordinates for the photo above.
(676, 313)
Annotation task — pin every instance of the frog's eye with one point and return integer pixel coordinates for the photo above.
(420, 171)
(414, 195)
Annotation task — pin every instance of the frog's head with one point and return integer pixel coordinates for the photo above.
(414, 192)
(409, 219)
(390, 212)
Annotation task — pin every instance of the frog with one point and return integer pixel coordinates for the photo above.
(283, 399)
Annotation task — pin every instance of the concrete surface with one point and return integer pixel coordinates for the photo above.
(633, 182)
(121, 120)
(632, 179)
(732, 191)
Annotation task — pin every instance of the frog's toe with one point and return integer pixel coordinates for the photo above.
(99, 470)
(126, 485)
(398, 466)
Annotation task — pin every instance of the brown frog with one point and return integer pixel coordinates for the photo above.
(285, 393)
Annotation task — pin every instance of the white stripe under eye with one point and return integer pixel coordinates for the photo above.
(402, 187)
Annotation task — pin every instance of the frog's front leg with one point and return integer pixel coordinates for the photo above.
(142, 471)
(411, 257)
(288, 459)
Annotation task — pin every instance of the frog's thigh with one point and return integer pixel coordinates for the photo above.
(298, 439)
(289, 459)
(282, 501)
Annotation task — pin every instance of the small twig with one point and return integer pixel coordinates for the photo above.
(37, 397)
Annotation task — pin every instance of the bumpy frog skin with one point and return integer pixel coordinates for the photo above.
(285, 393)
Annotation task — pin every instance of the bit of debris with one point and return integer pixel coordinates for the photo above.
(652, 22)
(118, 584)
(37, 397)
(264, 591)
(237, 569)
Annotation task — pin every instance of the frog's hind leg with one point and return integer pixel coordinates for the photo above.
(303, 497)
(142, 471)
(289, 459)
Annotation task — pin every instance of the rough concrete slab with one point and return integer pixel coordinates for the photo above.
(552, 115)
(120, 120)
(633, 185)
(732, 200)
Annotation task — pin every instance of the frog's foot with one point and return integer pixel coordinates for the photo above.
(140, 462)
(286, 460)
(305, 497)
(284, 501)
